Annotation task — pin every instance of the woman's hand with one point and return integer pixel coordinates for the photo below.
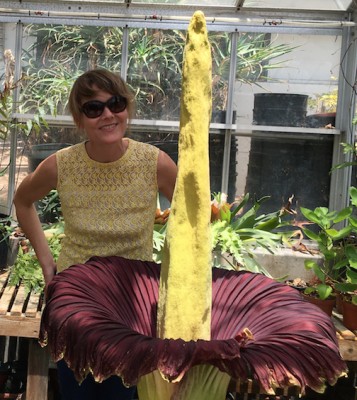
(49, 273)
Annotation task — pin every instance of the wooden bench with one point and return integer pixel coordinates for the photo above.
(347, 340)
(20, 316)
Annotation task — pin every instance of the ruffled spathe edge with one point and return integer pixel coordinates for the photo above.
(101, 318)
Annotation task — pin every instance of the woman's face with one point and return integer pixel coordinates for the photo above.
(110, 126)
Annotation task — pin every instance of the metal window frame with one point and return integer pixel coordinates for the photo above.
(329, 23)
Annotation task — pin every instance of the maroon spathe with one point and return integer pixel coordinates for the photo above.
(101, 318)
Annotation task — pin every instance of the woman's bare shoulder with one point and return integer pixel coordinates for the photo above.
(39, 182)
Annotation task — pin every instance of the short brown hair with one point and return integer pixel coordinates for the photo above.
(87, 85)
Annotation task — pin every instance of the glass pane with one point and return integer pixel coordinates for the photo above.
(292, 4)
(55, 55)
(7, 84)
(38, 147)
(97, 1)
(300, 5)
(285, 167)
(154, 72)
(300, 66)
(295, 89)
(189, 2)
(221, 53)
(289, 82)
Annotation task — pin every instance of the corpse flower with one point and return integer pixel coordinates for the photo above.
(101, 317)
(183, 330)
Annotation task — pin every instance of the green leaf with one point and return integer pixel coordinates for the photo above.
(310, 215)
(353, 222)
(338, 235)
(240, 205)
(353, 194)
(351, 276)
(310, 264)
(342, 215)
(311, 235)
(269, 225)
(345, 287)
(351, 254)
(319, 272)
(324, 291)
(341, 264)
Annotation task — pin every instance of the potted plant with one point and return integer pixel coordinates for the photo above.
(338, 269)
(26, 269)
(6, 124)
(237, 230)
(348, 286)
(320, 293)
(349, 307)
(236, 233)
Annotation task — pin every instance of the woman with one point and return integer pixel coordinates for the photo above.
(108, 189)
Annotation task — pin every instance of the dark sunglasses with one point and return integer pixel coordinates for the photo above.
(95, 108)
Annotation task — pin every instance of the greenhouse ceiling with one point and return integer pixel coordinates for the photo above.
(231, 13)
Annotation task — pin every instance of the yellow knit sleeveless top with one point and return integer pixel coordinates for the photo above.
(108, 208)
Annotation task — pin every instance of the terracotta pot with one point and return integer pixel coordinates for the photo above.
(349, 315)
(325, 305)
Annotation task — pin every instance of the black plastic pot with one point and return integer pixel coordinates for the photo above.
(280, 109)
(282, 167)
(39, 152)
(320, 120)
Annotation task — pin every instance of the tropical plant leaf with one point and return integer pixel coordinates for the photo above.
(338, 235)
(352, 276)
(311, 235)
(345, 287)
(353, 194)
(351, 254)
(324, 291)
(310, 215)
(342, 215)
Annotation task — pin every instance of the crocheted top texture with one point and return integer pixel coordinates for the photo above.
(108, 208)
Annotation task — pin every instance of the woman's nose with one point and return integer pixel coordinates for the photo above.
(107, 112)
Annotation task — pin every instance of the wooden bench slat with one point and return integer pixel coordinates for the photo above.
(3, 280)
(339, 336)
(19, 327)
(348, 349)
(32, 309)
(7, 298)
(18, 305)
(342, 330)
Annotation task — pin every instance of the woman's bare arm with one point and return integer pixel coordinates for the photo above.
(33, 188)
